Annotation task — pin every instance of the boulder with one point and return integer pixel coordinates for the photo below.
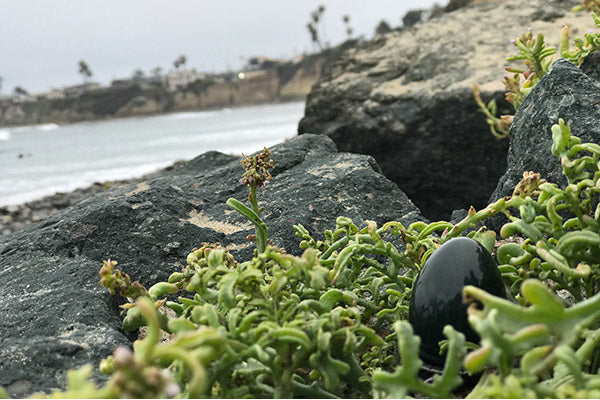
(591, 66)
(565, 92)
(54, 315)
(406, 99)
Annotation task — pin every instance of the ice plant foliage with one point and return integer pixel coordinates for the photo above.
(333, 321)
(583, 46)
(537, 58)
(590, 5)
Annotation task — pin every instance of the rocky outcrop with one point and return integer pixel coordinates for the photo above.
(591, 66)
(405, 98)
(565, 92)
(54, 316)
(301, 81)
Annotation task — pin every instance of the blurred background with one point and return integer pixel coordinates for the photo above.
(43, 41)
(103, 90)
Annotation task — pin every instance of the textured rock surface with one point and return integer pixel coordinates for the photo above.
(405, 98)
(18, 216)
(591, 66)
(54, 316)
(564, 92)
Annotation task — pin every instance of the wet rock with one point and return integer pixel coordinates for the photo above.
(54, 316)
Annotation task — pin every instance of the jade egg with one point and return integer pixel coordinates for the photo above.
(437, 293)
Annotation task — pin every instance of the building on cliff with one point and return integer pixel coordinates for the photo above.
(78, 90)
(174, 80)
(257, 63)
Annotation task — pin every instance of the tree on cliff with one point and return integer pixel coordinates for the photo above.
(349, 30)
(383, 27)
(179, 61)
(20, 94)
(19, 91)
(156, 72)
(84, 70)
(313, 26)
(138, 76)
(412, 17)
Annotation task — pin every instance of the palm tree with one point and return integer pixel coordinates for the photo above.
(313, 26)
(84, 71)
(383, 27)
(19, 91)
(138, 76)
(349, 30)
(179, 61)
(156, 71)
(20, 94)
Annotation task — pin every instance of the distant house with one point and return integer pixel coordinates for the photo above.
(78, 90)
(174, 80)
(122, 83)
(5, 100)
(144, 82)
(22, 97)
(257, 63)
(51, 94)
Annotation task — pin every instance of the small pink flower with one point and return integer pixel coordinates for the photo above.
(172, 390)
(123, 356)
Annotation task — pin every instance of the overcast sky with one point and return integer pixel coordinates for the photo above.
(41, 41)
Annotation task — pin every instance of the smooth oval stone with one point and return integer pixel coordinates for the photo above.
(437, 293)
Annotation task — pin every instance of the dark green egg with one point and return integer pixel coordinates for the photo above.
(437, 293)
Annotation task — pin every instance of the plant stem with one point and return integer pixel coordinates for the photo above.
(283, 385)
(261, 233)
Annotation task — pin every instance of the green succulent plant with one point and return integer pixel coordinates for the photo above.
(333, 322)
(537, 58)
(256, 175)
(590, 5)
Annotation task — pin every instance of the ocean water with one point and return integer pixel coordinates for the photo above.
(40, 160)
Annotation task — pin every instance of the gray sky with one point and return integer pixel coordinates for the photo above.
(41, 41)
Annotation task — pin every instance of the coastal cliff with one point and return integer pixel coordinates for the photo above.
(287, 82)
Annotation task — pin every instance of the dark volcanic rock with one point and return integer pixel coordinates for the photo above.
(16, 217)
(591, 66)
(405, 98)
(565, 92)
(54, 316)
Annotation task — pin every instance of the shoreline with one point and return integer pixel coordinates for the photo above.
(157, 114)
(20, 213)
(15, 217)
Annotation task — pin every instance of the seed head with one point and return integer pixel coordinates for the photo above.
(257, 169)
